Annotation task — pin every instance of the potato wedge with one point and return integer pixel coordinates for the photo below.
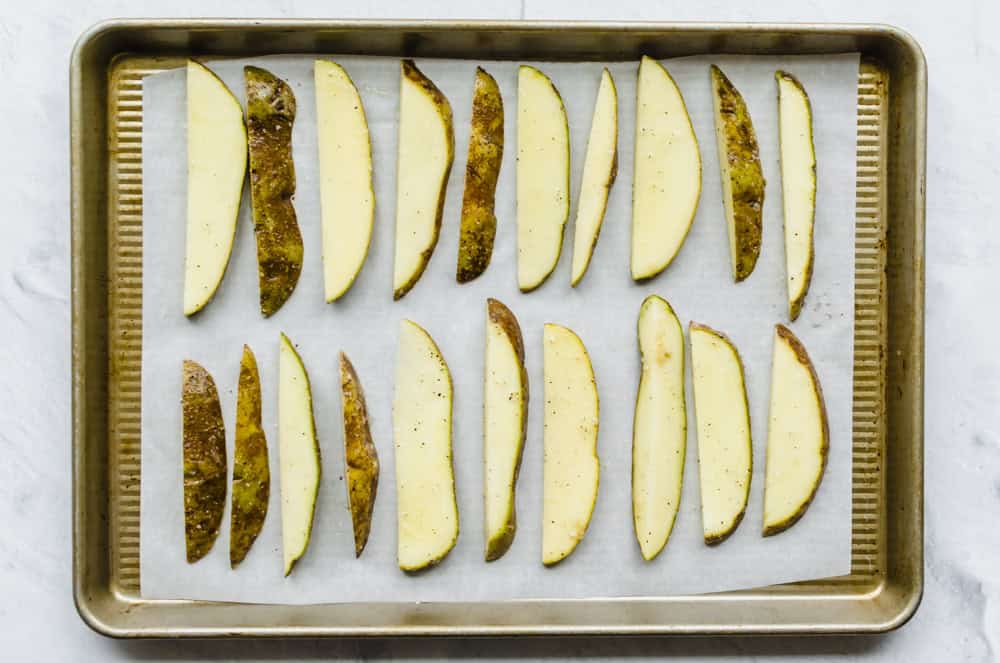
(659, 433)
(600, 168)
(360, 454)
(505, 419)
(666, 184)
(479, 222)
(217, 166)
(347, 197)
(571, 469)
(251, 467)
(798, 186)
(542, 177)
(798, 435)
(205, 464)
(426, 508)
(742, 176)
(270, 115)
(299, 455)
(725, 456)
(426, 151)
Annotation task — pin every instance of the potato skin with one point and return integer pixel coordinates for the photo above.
(270, 114)
(360, 454)
(205, 465)
(479, 222)
(251, 472)
(745, 173)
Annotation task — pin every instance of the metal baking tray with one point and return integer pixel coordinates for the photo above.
(886, 579)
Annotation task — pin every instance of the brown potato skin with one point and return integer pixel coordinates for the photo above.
(360, 454)
(409, 70)
(251, 471)
(205, 465)
(501, 315)
(803, 357)
(745, 173)
(479, 222)
(270, 114)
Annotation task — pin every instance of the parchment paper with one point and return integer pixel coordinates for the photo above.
(602, 310)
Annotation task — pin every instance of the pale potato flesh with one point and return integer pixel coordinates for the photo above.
(426, 150)
(725, 461)
(217, 164)
(542, 177)
(659, 437)
(798, 186)
(298, 454)
(571, 468)
(797, 436)
(504, 410)
(426, 510)
(600, 167)
(666, 182)
(347, 200)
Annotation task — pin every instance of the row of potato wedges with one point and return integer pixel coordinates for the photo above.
(665, 195)
(426, 507)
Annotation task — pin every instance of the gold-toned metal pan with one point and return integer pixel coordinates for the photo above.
(886, 579)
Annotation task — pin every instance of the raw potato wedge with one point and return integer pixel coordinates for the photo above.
(742, 176)
(542, 177)
(725, 460)
(426, 508)
(217, 166)
(360, 455)
(270, 115)
(204, 460)
(347, 199)
(659, 433)
(571, 468)
(600, 167)
(798, 436)
(505, 418)
(426, 152)
(666, 185)
(798, 186)
(299, 457)
(479, 222)
(251, 469)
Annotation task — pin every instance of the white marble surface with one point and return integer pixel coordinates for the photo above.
(960, 615)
